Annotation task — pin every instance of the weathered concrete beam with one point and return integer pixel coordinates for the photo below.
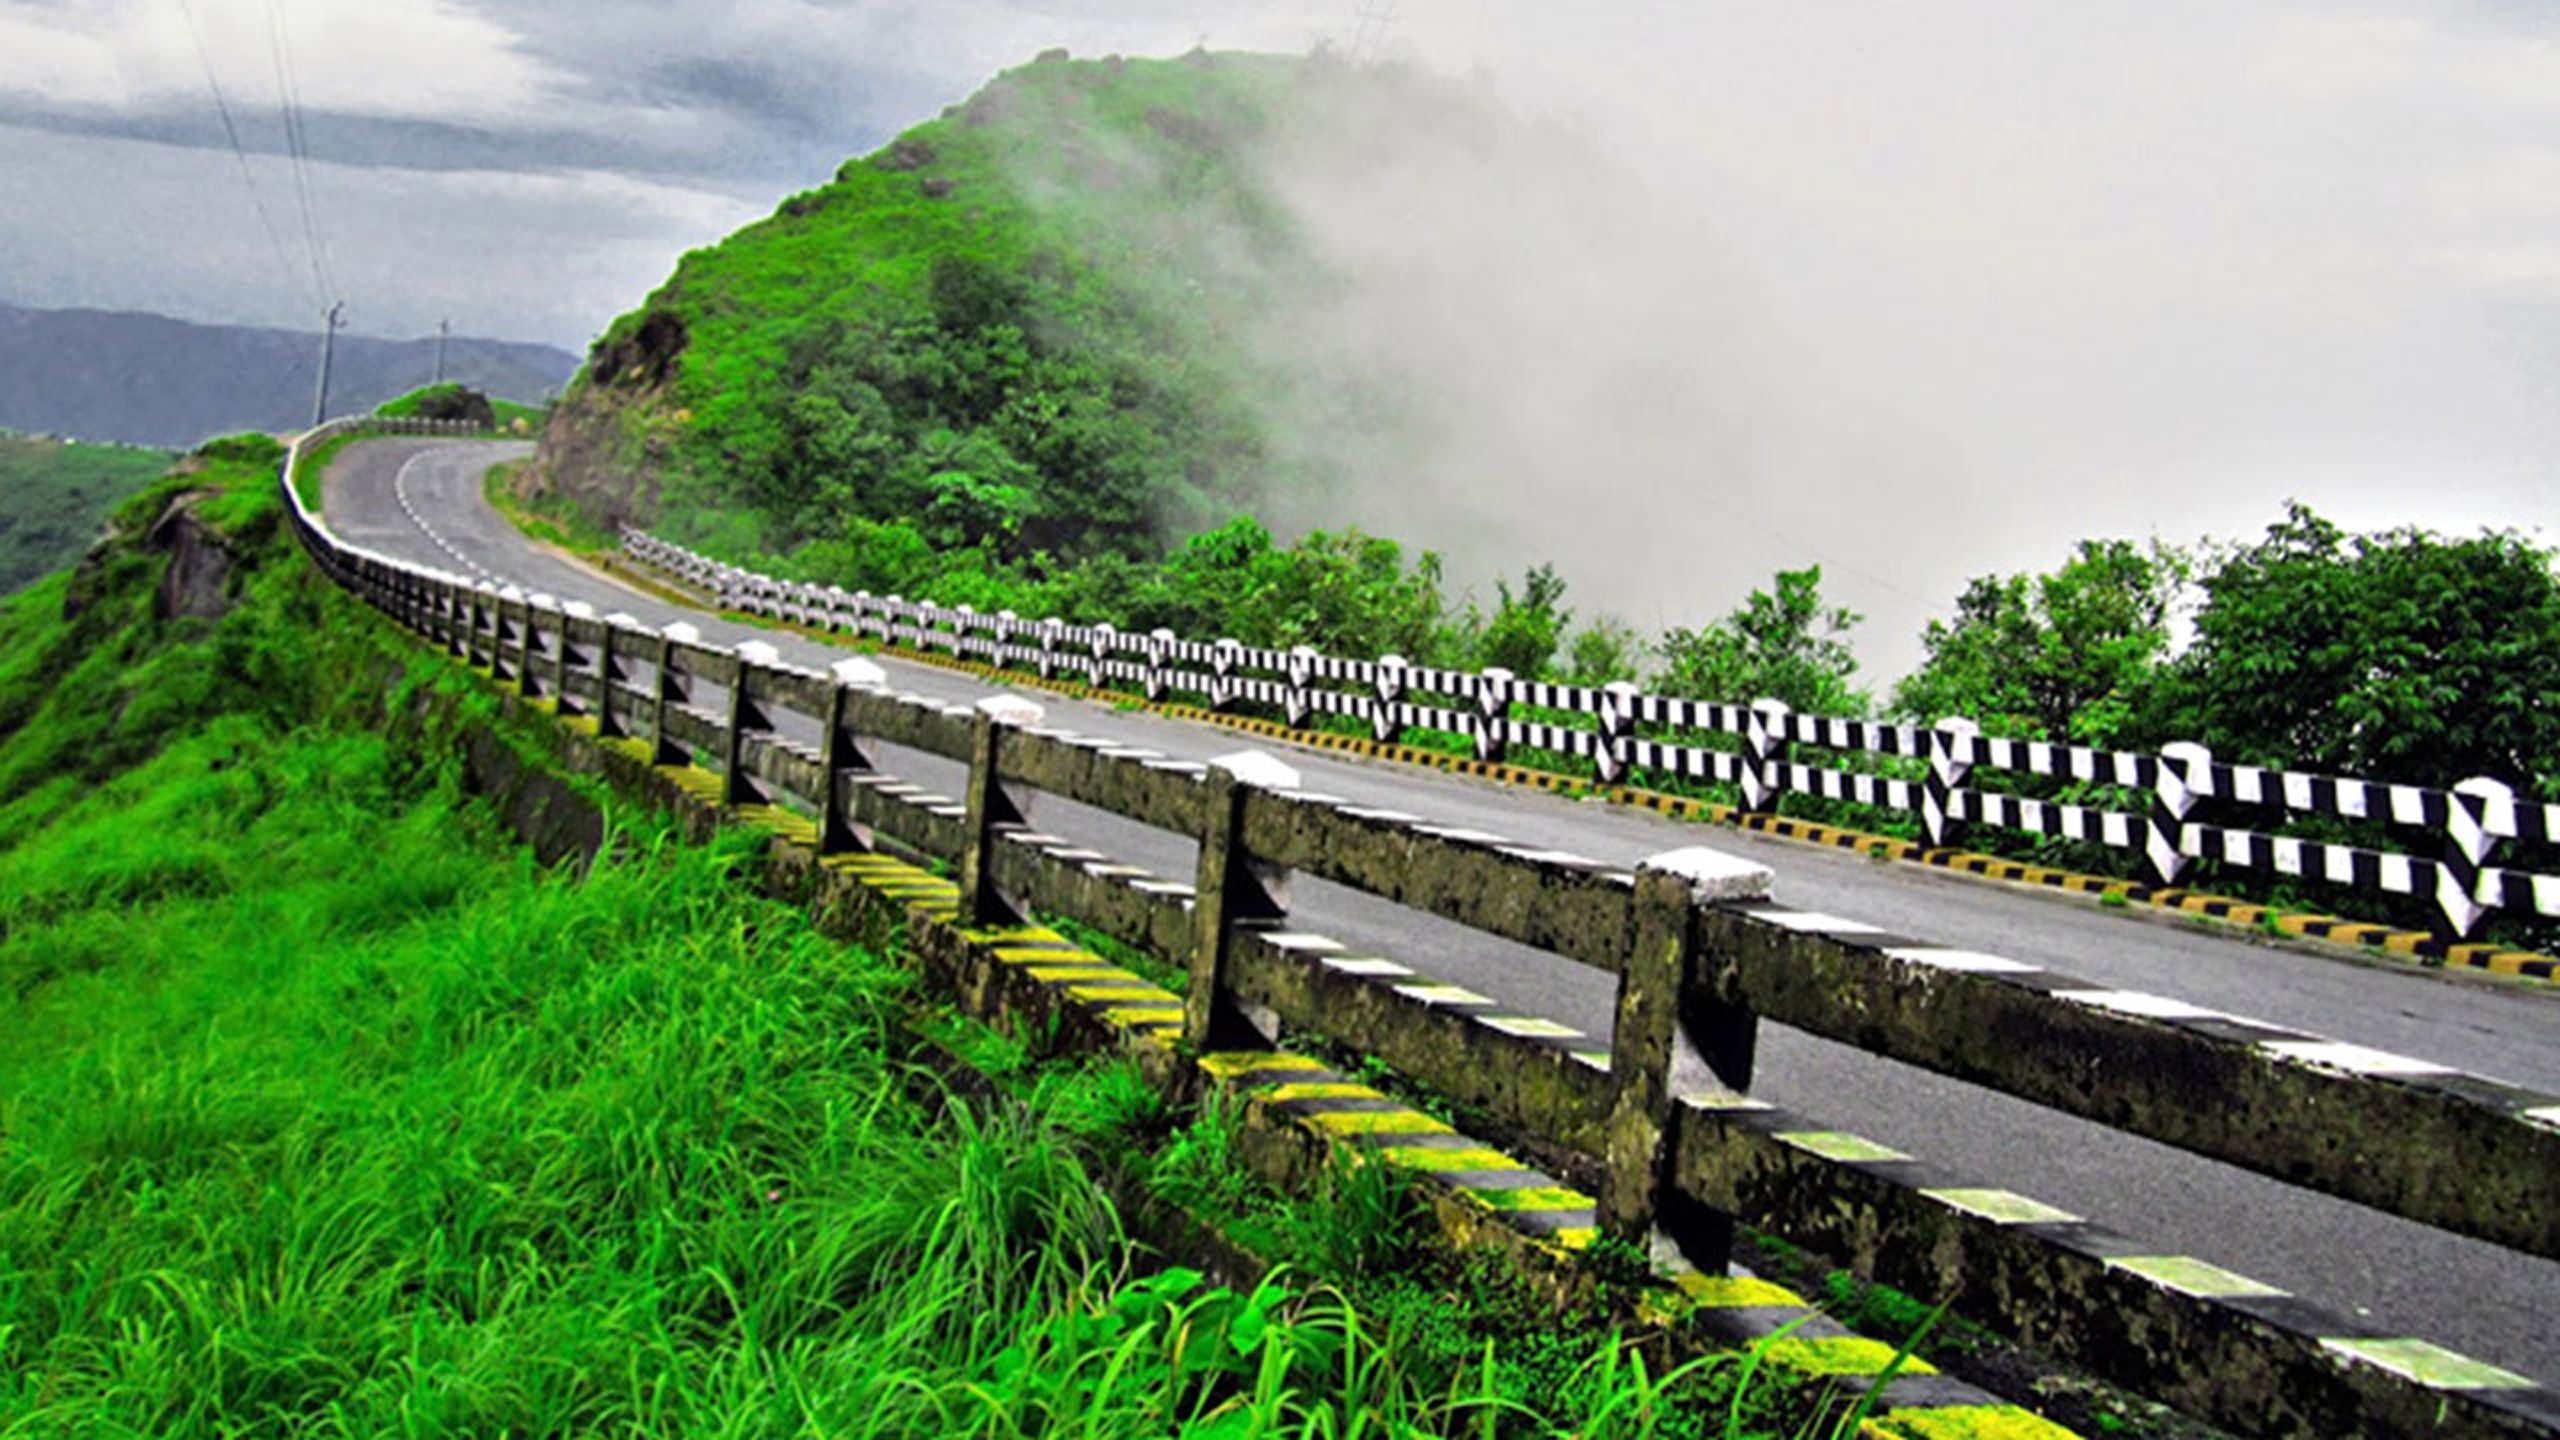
(1550, 901)
(2223, 1347)
(1137, 784)
(2408, 1136)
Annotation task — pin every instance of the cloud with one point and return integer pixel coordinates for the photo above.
(541, 254)
(420, 57)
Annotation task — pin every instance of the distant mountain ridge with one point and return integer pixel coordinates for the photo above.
(144, 379)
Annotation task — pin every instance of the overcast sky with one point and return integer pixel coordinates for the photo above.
(2002, 274)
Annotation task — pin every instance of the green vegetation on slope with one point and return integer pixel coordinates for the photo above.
(54, 496)
(996, 363)
(450, 401)
(323, 1110)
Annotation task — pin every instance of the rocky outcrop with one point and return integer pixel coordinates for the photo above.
(198, 580)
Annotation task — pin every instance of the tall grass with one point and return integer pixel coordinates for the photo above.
(325, 1111)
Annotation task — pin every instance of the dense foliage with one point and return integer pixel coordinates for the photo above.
(989, 332)
(2403, 654)
(54, 495)
(2069, 655)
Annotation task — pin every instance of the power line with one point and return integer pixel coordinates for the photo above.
(231, 132)
(289, 102)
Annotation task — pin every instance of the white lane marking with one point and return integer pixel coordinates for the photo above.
(400, 493)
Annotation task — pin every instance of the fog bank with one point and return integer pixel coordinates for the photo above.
(1921, 294)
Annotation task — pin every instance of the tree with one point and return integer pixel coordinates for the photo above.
(1521, 637)
(1603, 652)
(2067, 655)
(1783, 644)
(2398, 654)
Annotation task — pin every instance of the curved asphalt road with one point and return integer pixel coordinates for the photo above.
(422, 500)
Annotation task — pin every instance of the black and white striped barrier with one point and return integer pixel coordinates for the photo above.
(1618, 730)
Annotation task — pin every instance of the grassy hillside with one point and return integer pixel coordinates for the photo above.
(54, 497)
(324, 1110)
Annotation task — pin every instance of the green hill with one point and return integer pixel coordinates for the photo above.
(54, 496)
(990, 325)
(1005, 360)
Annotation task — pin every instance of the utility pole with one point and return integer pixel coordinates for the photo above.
(443, 329)
(1376, 22)
(328, 347)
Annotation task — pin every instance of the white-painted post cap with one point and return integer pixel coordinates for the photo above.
(623, 619)
(757, 652)
(859, 673)
(578, 610)
(1713, 874)
(1010, 710)
(682, 633)
(1257, 767)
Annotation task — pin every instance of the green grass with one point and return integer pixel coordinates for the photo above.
(55, 496)
(544, 518)
(325, 1111)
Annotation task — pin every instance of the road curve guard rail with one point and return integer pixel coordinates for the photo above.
(1657, 1120)
(1617, 730)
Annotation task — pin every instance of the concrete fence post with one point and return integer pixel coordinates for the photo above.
(510, 600)
(472, 599)
(1390, 687)
(456, 616)
(1493, 709)
(1617, 731)
(1765, 736)
(568, 657)
(2185, 777)
(996, 806)
(1301, 672)
(1050, 628)
(1233, 893)
(674, 689)
(611, 672)
(1105, 635)
(746, 720)
(2479, 813)
(1223, 654)
(1675, 1033)
(1160, 643)
(1951, 758)
(842, 751)
(529, 682)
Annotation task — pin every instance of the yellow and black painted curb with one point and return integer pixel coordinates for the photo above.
(1482, 1195)
(2354, 935)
